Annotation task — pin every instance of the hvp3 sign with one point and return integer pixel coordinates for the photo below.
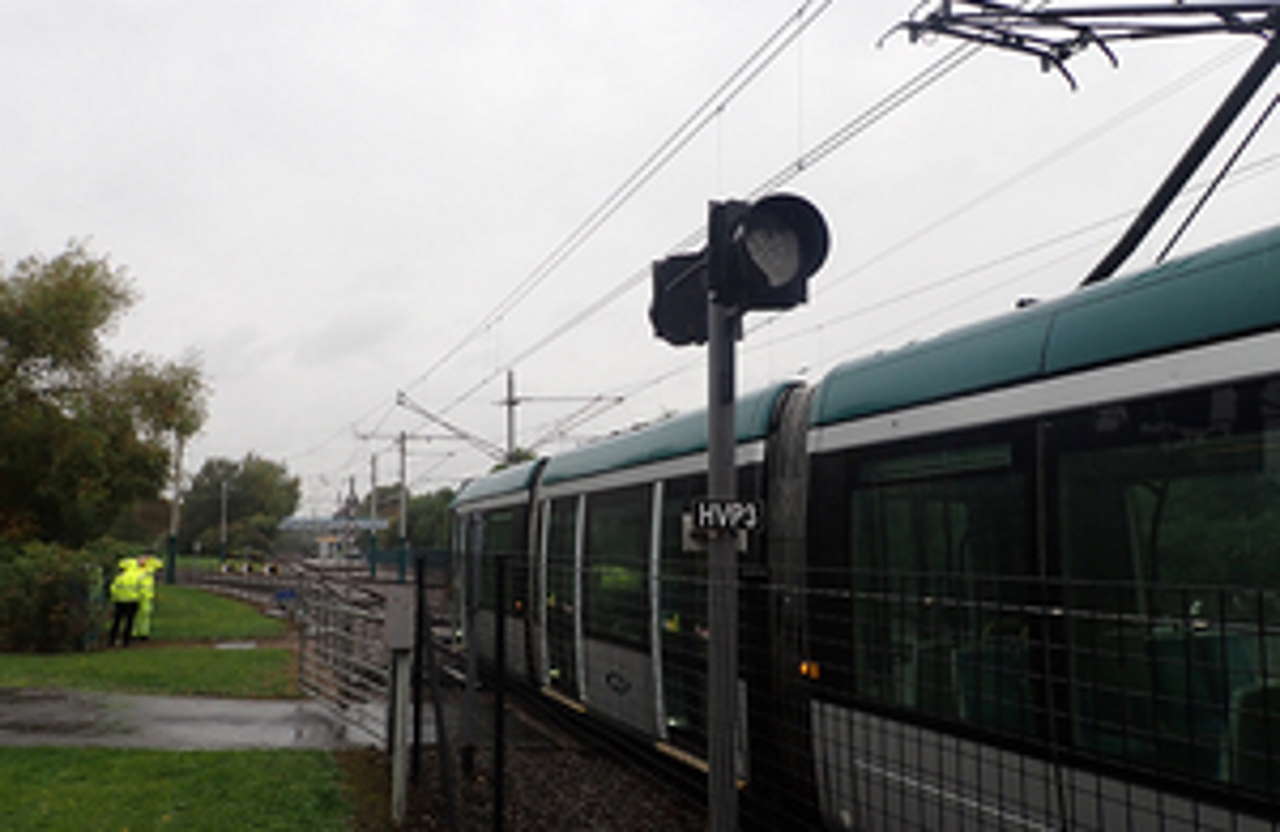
(730, 515)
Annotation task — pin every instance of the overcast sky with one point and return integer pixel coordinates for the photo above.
(327, 200)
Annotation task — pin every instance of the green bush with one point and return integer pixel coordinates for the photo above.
(52, 599)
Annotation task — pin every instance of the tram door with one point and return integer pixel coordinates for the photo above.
(683, 622)
(560, 600)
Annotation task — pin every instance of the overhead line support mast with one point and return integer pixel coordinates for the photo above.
(512, 401)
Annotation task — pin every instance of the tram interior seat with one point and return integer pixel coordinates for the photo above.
(1253, 758)
(1197, 677)
(1113, 694)
(1176, 699)
(993, 684)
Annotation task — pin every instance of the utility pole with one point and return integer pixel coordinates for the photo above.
(171, 555)
(511, 414)
(373, 502)
(512, 401)
(223, 550)
(404, 493)
(489, 449)
(401, 439)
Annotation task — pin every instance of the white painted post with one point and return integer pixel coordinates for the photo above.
(400, 663)
(398, 630)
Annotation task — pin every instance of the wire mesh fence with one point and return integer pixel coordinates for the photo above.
(343, 660)
(892, 698)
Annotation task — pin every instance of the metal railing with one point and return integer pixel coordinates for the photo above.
(342, 661)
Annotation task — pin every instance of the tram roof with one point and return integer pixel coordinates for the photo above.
(1220, 292)
(680, 436)
(507, 481)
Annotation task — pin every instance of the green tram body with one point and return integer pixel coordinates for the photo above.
(1031, 569)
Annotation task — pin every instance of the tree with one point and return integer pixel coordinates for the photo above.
(428, 521)
(144, 522)
(260, 493)
(514, 457)
(83, 434)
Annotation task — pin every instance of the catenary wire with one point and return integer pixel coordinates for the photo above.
(1244, 174)
(774, 45)
(895, 99)
(859, 124)
(690, 128)
(828, 145)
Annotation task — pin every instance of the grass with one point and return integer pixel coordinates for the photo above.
(198, 563)
(76, 789)
(187, 614)
(161, 667)
(168, 670)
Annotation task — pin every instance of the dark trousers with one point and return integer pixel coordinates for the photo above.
(125, 611)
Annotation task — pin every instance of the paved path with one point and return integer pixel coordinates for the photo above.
(31, 717)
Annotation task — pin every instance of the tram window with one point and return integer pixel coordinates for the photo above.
(616, 566)
(683, 616)
(560, 554)
(561, 533)
(941, 574)
(1170, 542)
(502, 535)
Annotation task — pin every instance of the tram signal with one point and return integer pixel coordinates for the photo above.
(770, 247)
(679, 308)
(759, 255)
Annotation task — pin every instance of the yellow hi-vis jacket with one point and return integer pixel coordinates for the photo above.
(147, 583)
(127, 586)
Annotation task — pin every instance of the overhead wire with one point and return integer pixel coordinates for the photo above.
(859, 124)
(920, 81)
(923, 79)
(1213, 186)
(760, 59)
(928, 76)
(1056, 155)
(1239, 177)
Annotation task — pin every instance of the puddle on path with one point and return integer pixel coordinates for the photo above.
(68, 718)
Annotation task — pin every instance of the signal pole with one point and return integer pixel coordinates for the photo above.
(722, 569)
(758, 256)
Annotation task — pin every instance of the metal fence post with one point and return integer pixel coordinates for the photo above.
(444, 751)
(471, 591)
(419, 634)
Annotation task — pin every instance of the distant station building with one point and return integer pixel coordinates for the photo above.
(334, 537)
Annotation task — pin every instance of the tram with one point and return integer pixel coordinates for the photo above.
(1022, 575)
